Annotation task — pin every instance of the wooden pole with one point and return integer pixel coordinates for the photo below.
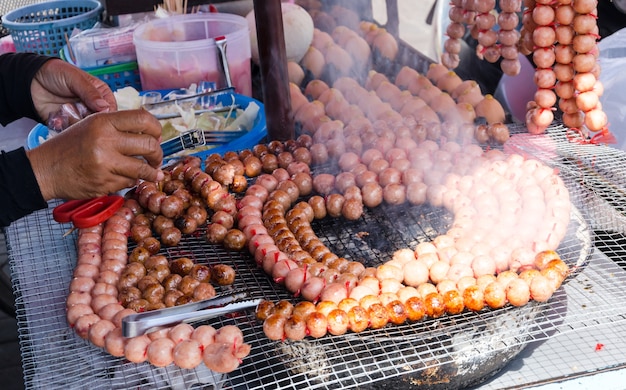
(273, 66)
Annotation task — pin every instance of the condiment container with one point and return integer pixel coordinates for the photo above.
(176, 51)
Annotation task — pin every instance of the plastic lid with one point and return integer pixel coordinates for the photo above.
(234, 27)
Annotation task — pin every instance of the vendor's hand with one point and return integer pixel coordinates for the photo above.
(100, 155)
(58, 82)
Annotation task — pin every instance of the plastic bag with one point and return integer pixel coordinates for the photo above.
(613, 62)
(103, 45)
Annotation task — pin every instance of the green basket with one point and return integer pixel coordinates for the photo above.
(117, 76)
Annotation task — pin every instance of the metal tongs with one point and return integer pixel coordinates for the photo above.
(208, 95)
(196, 137)
(146, 322)
(187, 140)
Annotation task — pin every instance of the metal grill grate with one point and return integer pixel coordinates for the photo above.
(10, 5)
(451, 351)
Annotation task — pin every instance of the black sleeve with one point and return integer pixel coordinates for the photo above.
(19, 192)
(16, 74)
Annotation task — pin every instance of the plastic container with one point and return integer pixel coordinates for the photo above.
(116, 76)
(42, 28)
(177, 51)
(103, 45)
(247, 141)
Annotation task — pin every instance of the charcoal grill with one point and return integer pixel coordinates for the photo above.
(448, 352)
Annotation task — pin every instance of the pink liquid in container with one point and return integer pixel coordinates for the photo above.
(177, 51)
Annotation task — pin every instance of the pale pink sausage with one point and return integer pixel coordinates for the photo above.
(159, 334)
(295, 279)
(253, 230)
(390, 286)
(324, 183)
(229, 335)
(268, 181)
(76, 297)
(110, 235)
(270, 259)
(219, 358)
(250, 201)
(89, 258)
(312, 288)
(415, 273)
(113, 244)
(117, 318)
(257, 235)
(385, 271)
(76, 311)
(180, 332)
(83, 324)
(249, 220)
(86, 270)
(109, 311)
(187, 354)
(89, 238)
(359, 292)
(114, 342)
(160, 352)
(459, 270)
(483, 265)
(334, 292)
(258, 191)
(112, 265)
(89, 248)
(348, 280)
(204, 334)
(282, 268)
(100, 301)
(82, 284)
(372, 282)
(262, 250)
(98, 332)
(438, 271)
(103, 288)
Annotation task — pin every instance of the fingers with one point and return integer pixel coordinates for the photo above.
(141, 145)
(136, 168)
(136, 121)
(107, 95)
(93, 92)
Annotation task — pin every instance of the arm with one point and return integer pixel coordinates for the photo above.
(96, 156)
(33, 86)
(19, 191)
(16, 74)
(101, 154)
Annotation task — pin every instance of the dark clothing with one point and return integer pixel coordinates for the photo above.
(610, 18)
(19, 192)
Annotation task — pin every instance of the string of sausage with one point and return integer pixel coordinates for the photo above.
(322, 284)
(562, 37)
(95, 313)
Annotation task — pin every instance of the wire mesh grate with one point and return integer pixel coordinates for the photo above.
(459, 350)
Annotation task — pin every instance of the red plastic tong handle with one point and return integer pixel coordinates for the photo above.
(86, 213)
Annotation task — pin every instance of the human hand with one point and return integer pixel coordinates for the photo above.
(100, 155)
(58, 82)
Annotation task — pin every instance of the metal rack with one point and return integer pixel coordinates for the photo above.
(454, 350)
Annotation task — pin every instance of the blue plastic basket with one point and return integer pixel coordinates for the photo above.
(247, 141)
(42, 28)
